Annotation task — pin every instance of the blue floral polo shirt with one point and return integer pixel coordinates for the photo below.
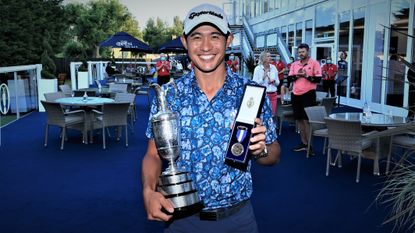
(205, 132)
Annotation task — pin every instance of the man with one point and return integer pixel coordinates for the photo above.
(329, 71)
(280, 65)
(163, 69)
(233, 63)
(206, 100)
(305, 73)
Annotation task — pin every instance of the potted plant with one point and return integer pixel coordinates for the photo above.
(48, 81)
(250, 64)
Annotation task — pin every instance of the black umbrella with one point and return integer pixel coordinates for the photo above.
(174, 46)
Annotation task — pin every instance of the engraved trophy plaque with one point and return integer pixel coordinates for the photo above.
(174, 184)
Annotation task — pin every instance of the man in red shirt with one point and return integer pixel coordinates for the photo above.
(281, 69)
(329, 71)
(305, 74)
(163, 70)
(233, 63)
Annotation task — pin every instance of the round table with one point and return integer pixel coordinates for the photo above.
(375, 120)
(79, 101)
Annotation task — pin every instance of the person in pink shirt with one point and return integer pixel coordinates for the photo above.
(305, 74)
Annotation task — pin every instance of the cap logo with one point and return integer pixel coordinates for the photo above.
(195, 14)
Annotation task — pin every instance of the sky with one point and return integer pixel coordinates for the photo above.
(142, 10)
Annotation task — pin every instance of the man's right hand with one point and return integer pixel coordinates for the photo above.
(154, 203)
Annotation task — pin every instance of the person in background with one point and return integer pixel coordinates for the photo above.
(280, 65)
(163, 70)
(329, 71)
(208, 93)
(233, 63)
(266, 74)
(305, 74)
(109, 69)
(288, 81)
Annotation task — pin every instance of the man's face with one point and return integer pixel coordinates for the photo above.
(302, 53)
(206, 47)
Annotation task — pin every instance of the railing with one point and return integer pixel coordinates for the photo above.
(18, 91)
(248, 32)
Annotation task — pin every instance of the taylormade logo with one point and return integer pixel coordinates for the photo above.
(194, 14)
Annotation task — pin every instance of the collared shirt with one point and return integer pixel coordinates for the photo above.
(329, 71)
(205, 132)
(302, 85)
(280, 66)
(265, 79)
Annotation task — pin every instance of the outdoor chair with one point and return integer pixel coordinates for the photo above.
(128, 98)
(316, 115)
(143, 90)
(118, 87)
(112, 114)
(284, 112)
(58, 117)
(52, 96)
(404, 138)
(346, 136)
(79, 93)
(328, 103)
(66, 89)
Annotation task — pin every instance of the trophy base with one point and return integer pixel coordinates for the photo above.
(179, 189)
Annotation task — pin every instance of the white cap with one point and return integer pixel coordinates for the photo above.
(206, 13)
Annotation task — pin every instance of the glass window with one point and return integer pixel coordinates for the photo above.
(284, 34)
(266, 5)
(325, 19)
(308, 32)
(271, 40)
(260, 41)
(397, 47)
(343, 61)
(271, 5)
(378, 58)
(357, 52)
(298, 33)
(284, 4)
(290, 37)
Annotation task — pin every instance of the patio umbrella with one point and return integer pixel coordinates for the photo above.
(126, 42)
(174, 46)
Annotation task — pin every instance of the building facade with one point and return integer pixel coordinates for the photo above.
(370, 35)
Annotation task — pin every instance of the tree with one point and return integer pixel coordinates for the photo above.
(156, 33)
(177, 28)
(22, 28)
(98, 20)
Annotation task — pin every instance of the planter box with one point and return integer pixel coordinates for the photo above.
(45, 86)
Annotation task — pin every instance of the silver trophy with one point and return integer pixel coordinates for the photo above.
(174, 184)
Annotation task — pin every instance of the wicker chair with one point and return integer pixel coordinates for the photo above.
(79, 93)
(71, 120)
(128, 98)
(66, 89)
(316, 115)
(52, 96)
(113, 114)
(283, 113)
(346, 137)
(403, 137)
(328, 103)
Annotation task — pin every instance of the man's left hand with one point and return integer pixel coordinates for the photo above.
(257, 143)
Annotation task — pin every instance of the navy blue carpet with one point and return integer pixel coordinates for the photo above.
(87, 189)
